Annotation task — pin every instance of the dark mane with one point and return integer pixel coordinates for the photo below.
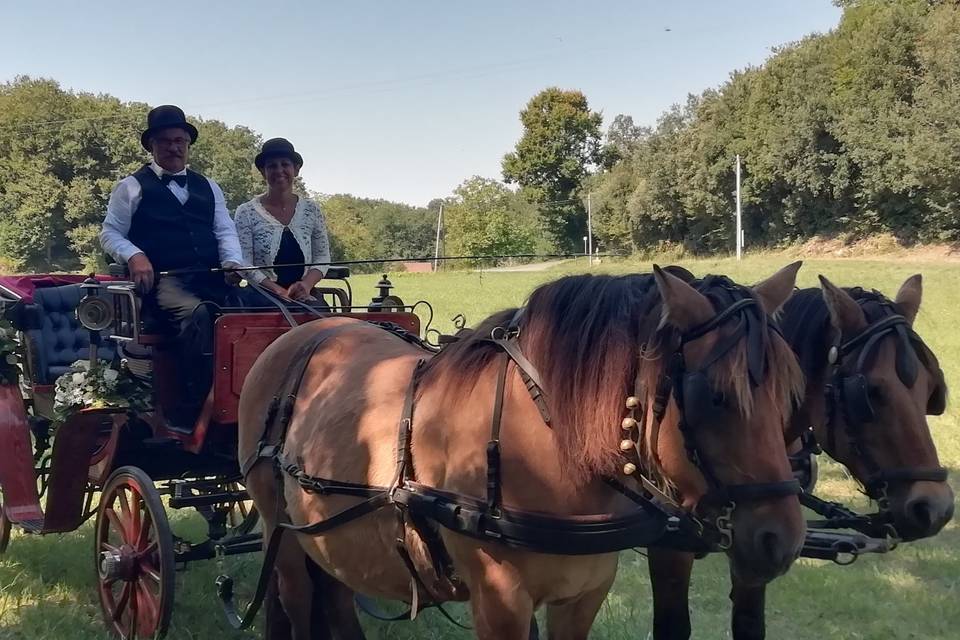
(805, 322)
(806, 325)
(590, 336)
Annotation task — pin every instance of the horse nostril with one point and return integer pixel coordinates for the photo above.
(770, 546)
(920, 511)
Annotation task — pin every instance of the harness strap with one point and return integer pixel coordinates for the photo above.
(224, 583)
(285, 399)
(369, 607)
(322, 486)
(405, 430)
(510, 345)
(494, 492)
(340, 518)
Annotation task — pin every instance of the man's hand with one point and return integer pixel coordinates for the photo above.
(142, 272)
(232, 278)
(298, 290)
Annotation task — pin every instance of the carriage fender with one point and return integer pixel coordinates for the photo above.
(18, 479)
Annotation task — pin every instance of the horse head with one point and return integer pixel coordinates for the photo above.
(720, 441)
(880, 382)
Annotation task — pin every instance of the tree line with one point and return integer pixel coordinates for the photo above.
(852, 132)
(849, 133)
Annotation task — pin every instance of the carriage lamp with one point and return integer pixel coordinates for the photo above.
(93, 313)
(385, 300)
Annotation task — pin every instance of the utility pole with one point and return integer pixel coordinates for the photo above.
(436, 253)
(739, 239)
(589, 228)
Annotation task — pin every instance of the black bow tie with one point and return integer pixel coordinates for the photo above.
(180, 180)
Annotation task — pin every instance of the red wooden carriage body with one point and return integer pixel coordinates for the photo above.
(129, 459)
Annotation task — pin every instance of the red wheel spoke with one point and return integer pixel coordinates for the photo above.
(117, 523)
(143, 536)
(149, 551)
(150, 571)
(125, 512)
(134, 611)
(149, 608)
(121, 604)
(136, 511)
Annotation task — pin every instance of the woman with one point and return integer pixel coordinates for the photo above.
(281, 228)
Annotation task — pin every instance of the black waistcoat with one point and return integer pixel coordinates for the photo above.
(174, 235)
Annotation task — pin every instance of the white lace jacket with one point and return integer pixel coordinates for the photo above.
(260, 235)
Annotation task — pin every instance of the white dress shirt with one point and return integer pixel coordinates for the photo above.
(126, 198)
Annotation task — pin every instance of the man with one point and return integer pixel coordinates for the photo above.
(166, 217)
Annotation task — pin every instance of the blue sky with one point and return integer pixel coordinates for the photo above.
(401, 99)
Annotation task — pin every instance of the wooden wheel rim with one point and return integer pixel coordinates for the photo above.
(134, 556)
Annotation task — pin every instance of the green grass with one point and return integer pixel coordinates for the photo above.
(47, 589)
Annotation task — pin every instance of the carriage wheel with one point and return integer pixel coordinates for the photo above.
(134, 547)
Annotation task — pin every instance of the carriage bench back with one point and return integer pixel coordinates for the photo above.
(55, 339)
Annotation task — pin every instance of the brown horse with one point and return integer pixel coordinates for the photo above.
(595, 340)
(875, 425)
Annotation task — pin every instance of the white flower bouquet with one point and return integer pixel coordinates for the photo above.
(99, 386)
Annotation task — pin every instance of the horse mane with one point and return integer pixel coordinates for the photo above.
(807, 327)
(592, 337)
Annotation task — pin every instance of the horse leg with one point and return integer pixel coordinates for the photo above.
(297, 594)
(748, 611)
(276, 625)
(333, 604)
(670, 580)
(501, 607)
(572, 620)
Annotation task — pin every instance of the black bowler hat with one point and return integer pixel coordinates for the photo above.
(277, 147)
(165, 117)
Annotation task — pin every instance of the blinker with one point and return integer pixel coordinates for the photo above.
(697, 398)
(856, 398)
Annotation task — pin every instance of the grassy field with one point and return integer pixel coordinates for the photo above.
(46, 584)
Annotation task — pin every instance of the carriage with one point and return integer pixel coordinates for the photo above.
(123, 466)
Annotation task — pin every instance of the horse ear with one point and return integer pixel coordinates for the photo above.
(845, 313)
(683, 306)
(909, 296)
(777, 289)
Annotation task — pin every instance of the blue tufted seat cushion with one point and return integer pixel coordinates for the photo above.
(56, 338)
